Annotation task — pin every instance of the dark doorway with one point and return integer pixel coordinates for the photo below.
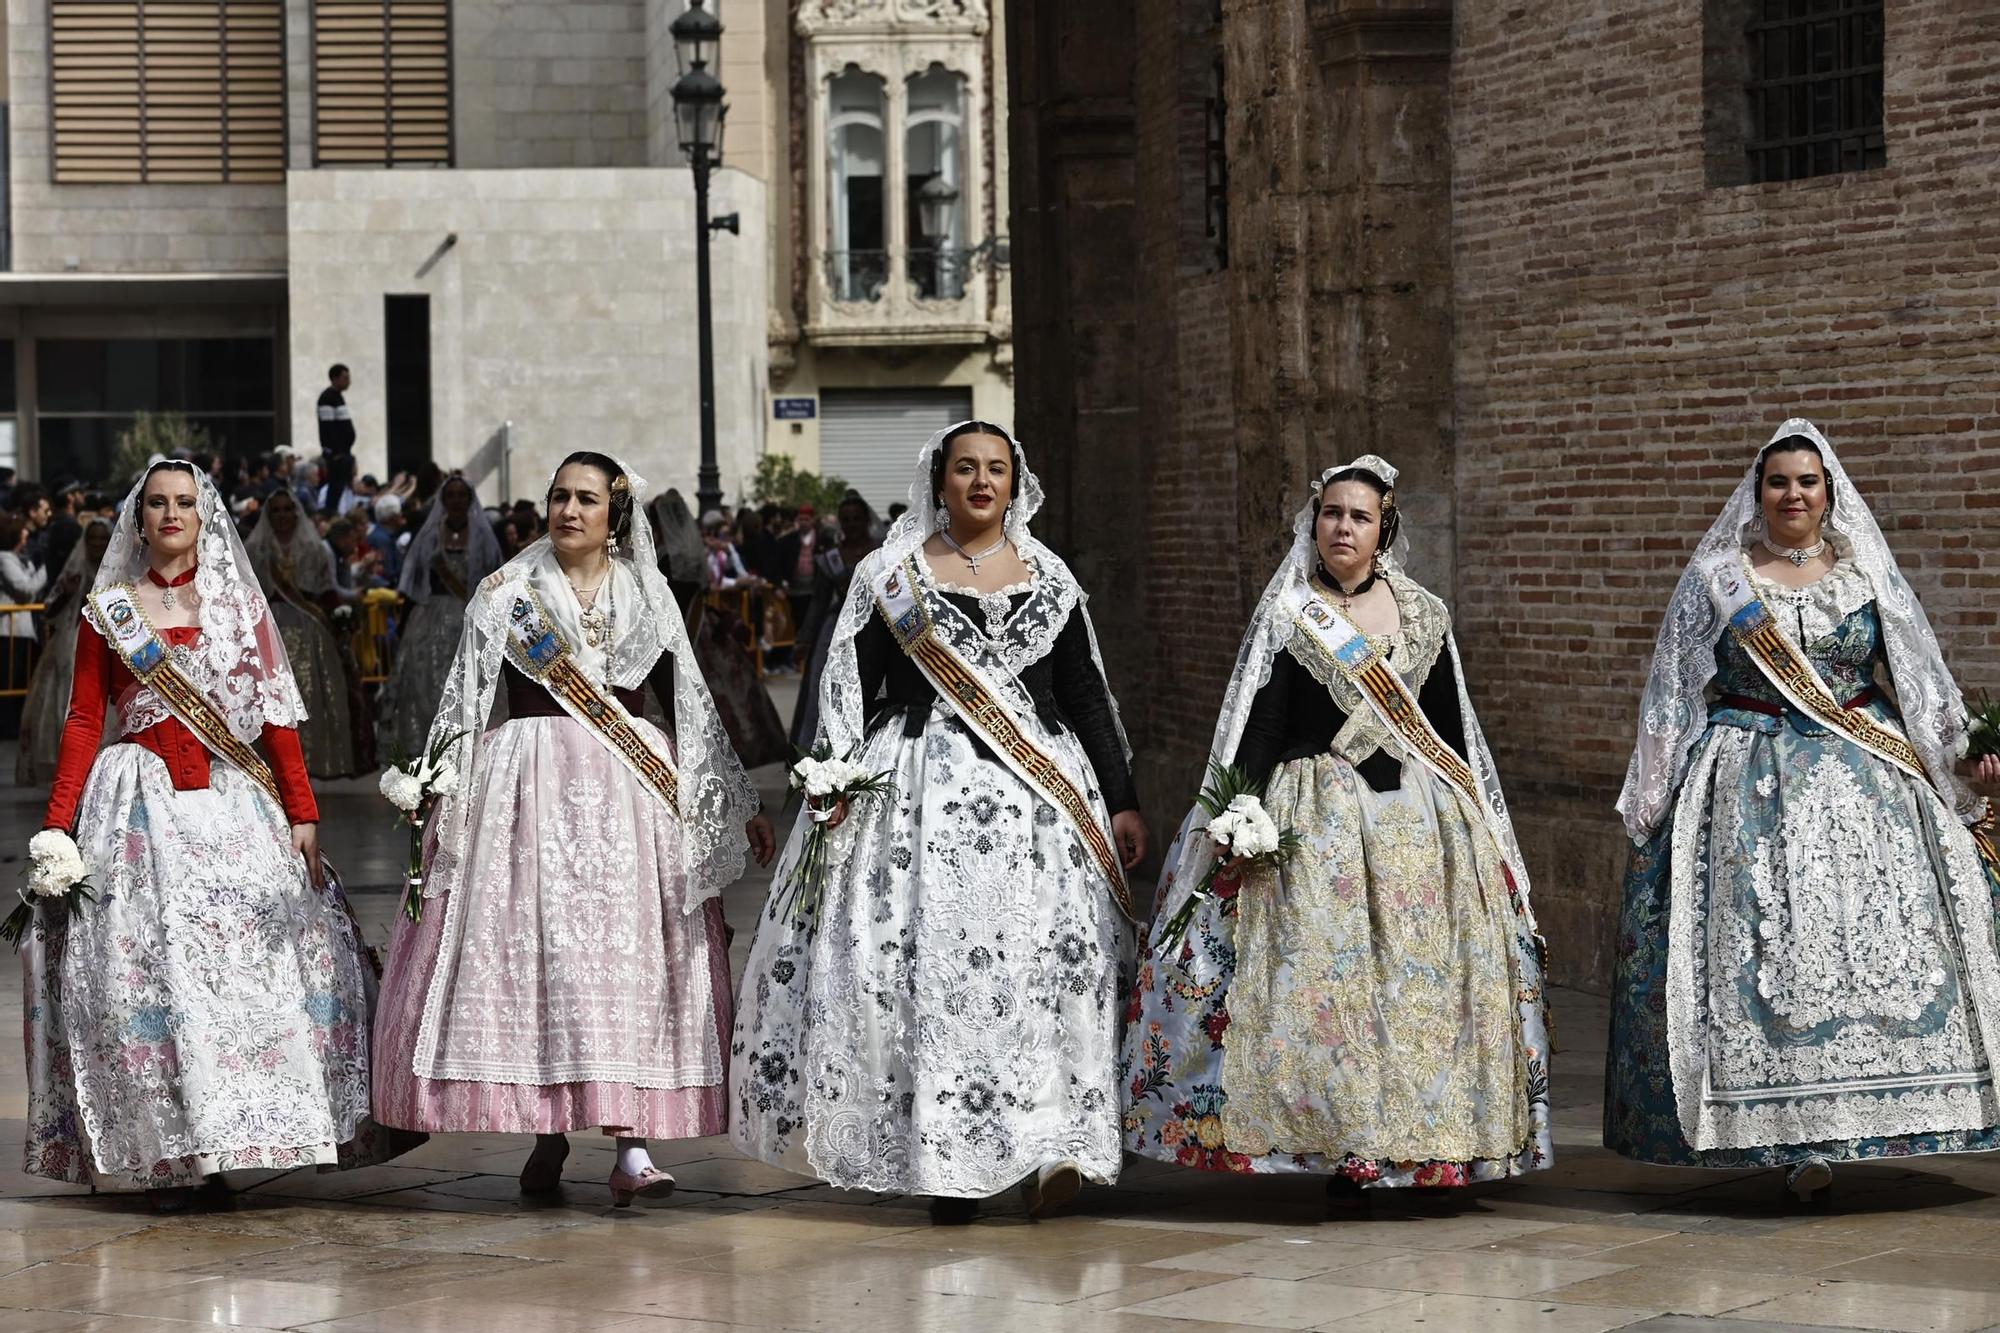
(406, 394)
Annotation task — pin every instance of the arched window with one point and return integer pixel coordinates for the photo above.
(857, 214)
(934, 166)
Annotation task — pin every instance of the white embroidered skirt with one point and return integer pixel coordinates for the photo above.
(952, 1023)
(210, 1010)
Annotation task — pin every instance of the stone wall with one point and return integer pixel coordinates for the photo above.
(119, 228)
(1628, 336)
(567, 305)
(552, 83)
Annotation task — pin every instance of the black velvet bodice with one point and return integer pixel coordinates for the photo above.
(1294, 716)
(1067, 688)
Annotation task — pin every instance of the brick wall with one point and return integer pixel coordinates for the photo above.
(1626, 338)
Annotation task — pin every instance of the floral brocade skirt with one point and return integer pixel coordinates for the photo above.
(209, 1011)
(1373, 1008)
(951, 1023)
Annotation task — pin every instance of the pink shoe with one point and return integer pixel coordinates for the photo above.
(652, 1182)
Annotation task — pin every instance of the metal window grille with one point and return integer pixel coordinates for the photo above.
(1815, 88)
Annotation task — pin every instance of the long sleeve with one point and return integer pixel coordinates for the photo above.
(1264, 735)
(288, 764)
(661, 681)
(21, 579)
(1085, 700)
(89, 688)
(874, 649)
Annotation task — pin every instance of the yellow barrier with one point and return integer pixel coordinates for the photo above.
(376, 627)
(17, 664)
(776, 629)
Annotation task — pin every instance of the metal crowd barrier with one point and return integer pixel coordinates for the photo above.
(17, 663)
(771, 624)
(377, 625)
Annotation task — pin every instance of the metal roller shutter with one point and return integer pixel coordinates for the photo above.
(870, 437)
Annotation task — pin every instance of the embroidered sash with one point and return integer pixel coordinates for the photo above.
(1362, 665)
(441, 569)
(118, 616)
(1793, 674)
(982, 708)
(536, 647)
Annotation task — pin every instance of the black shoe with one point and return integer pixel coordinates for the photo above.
(1345, 1195)
(947, 1211)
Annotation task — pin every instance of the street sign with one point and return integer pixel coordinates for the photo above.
(795, 409)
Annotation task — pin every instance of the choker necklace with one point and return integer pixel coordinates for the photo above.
(968, 556)
(1347, 597)
(1798, 555)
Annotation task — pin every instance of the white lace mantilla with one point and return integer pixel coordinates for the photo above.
(1019, 636)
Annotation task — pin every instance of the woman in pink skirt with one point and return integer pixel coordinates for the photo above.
(568, 969)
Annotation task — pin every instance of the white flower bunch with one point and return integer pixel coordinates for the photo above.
(820, 778)
(55, 864)
(1244, 828)
(407, 789)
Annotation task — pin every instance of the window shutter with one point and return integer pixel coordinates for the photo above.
(167, 90)
(382, 83)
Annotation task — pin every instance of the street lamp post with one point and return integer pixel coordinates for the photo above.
(698, 117)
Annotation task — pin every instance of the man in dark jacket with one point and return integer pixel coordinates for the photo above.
(336, 436)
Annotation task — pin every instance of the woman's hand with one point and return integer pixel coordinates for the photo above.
(839, 815)
(305, 841)
(1128, 831)
(763, 842)
(1987, 771)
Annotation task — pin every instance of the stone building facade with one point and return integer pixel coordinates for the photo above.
(1512, 249)
(529, 258)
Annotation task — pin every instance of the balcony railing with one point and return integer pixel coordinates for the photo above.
(857, 275)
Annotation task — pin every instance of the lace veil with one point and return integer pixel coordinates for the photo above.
(716, 797)
(1270, 632)
(304, 556)
(1673, 712)
(239, 659)
(482, 545)
(842, 709)
(682, 553)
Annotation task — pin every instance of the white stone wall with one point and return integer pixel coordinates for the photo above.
(551, 83)
(120, 228)
(567, 305)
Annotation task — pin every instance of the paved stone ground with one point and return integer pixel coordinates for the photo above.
(439, 1240)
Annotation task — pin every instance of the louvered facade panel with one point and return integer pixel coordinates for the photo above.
(167, 90)
(382, 83)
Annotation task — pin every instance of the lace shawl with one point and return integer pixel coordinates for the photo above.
(239, 659)
(1270, 633)
(716, 797)
(1673, 711)
(1027, 636)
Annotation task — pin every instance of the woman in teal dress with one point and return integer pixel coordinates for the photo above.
(1806, 969)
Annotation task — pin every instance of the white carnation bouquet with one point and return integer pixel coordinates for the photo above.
(414, 786)
(1245, 838)
(56, 870)
(831, 783)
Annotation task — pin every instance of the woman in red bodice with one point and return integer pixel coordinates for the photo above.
(207, 1009)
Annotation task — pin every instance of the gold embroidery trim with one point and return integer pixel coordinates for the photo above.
(1795, 677)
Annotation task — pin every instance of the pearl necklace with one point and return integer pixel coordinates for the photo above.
(967, 556)
(1798, 555)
